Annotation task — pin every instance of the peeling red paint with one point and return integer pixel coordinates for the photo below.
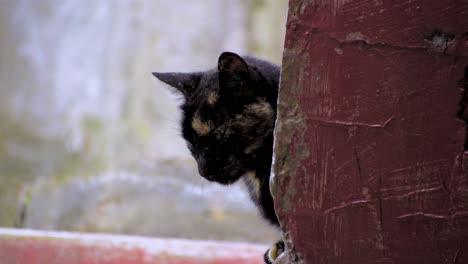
(373, 169)
(36, 247)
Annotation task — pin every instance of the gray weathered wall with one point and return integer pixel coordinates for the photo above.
(89, 139)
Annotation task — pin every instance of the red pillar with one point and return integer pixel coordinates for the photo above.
(370, 165)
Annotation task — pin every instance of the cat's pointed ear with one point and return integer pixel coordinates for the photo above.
(232, 69)
(185, 83)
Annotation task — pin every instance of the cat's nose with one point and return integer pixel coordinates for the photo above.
(205, 173)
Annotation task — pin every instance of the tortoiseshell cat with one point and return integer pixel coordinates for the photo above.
(228, 119)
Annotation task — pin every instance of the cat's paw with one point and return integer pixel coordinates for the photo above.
(272, 255)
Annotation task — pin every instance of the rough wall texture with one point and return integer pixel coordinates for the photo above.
(370, 164)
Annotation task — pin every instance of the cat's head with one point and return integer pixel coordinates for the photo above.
(227, 114)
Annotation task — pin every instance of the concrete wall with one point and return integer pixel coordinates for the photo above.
(87, 134)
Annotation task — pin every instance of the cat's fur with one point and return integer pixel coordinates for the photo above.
(228, 119)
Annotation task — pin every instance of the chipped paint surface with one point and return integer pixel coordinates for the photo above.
(369, 162)
(20, 246)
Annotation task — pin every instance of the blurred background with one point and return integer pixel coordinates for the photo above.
(89, 139)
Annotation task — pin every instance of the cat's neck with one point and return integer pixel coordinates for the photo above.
(261, 164)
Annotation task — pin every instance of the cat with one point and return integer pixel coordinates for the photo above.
(228, 118)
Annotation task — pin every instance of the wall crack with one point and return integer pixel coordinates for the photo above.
(437, 41)
(463, 105)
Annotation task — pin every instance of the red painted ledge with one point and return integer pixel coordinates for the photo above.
(20, 246)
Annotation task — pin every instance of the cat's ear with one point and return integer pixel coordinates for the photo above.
(185, 83)
(233, 70)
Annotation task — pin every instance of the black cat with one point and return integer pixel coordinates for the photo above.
(228, 119)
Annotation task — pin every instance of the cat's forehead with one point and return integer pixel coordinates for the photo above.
(202, 109)
(207, 92)
(206, 116)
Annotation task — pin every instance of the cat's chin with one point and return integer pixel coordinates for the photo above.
(223, 179)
